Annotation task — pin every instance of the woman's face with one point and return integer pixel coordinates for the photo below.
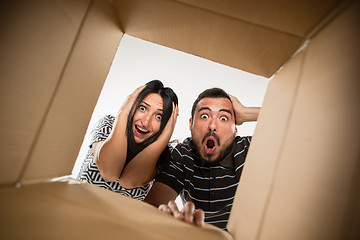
(147, 118)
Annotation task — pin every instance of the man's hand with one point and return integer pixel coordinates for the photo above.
(188, 213)
(242, 113)
(238, 109)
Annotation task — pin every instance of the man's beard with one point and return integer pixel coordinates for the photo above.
(222, 154)
(212, 134)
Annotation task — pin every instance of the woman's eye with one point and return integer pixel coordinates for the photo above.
(159, 116)
(142, 108)
(204, 116)
(223, 118)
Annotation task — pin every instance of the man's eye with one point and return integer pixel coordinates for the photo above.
(204, 116)
(159, 116)
(142, 108)
(223, 118)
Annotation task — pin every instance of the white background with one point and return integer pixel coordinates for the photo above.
(138, 62)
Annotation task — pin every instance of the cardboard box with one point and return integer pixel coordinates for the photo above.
(301, 179)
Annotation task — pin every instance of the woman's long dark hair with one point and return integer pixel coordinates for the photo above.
(168, 96)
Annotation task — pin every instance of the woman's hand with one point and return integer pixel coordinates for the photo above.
(130, 100)
(170, 125)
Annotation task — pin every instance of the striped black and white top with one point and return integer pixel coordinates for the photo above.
(210, 187)
(91, 173)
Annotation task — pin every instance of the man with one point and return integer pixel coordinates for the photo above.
(205, 169)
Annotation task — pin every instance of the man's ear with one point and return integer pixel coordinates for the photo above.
(190, 123)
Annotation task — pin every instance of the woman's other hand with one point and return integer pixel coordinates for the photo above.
(131, 99)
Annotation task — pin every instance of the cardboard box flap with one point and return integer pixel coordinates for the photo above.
(303, 167)
(54, 55)
(84, 211)
(256, 180)
(258, 39)
(77, 94)
(292, 17)
(32, 60)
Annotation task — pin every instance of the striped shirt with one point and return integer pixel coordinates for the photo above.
(210, 187)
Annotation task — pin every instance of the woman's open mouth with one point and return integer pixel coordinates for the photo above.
(139, 131)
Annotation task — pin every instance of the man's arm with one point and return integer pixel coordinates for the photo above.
(160, 193)
(163, 197)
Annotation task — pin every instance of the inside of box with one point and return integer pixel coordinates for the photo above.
(303, 186)
(137, 62)
(54, 54)
(79, 53)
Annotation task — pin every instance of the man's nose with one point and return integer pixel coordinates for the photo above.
(212, 125)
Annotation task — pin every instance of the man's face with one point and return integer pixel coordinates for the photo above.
(213, 128)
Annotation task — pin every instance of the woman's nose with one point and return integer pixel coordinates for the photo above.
(146, 120)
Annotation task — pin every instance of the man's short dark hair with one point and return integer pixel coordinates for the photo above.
(209, 93)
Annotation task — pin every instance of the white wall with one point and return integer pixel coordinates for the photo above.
(138, 62)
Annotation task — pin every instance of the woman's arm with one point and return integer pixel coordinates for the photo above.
(142, 168)
(110, 155)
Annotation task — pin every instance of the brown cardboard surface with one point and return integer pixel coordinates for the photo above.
(351, 222)
(217, 37)
(33, 55)
(57, 64)
(76, 95)
(256, 181)
(64, 211)
(55, 57)
(312, 188)
(293, 17)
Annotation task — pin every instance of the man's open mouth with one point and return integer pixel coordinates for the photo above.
(210, 146)
(210, 143)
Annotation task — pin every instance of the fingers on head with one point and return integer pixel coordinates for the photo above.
(175, 111)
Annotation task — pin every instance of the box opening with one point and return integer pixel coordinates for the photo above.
(137, 62)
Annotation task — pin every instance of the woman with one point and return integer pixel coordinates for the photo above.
(127, 152)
